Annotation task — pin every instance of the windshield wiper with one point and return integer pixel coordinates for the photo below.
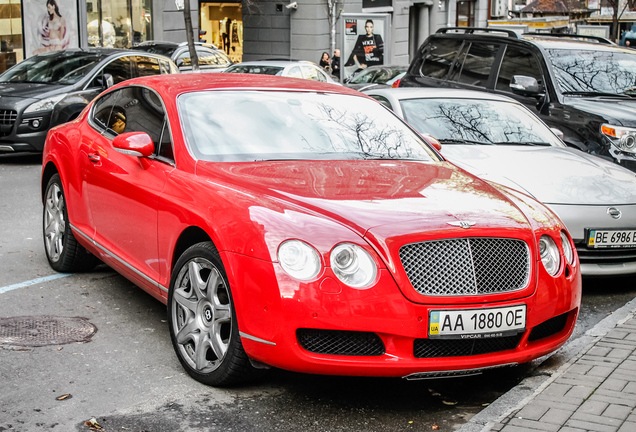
(463, 141)
(593, 93)
(528, 143)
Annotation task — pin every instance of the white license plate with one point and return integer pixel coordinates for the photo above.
(599, 239)
(476, 323)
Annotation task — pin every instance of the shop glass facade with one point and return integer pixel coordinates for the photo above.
(124, 23)
(223, 24)
(10, 33)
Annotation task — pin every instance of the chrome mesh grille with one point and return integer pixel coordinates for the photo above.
(466, 266)
(8, 117)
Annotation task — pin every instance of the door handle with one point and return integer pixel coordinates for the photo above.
(94, 157)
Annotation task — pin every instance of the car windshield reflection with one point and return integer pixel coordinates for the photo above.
(54, 68)
(302, 126)
(473, 121)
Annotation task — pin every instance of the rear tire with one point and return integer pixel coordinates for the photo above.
(202, 319)
(63, 251)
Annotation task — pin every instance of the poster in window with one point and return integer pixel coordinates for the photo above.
(50, 25)
(365, 41)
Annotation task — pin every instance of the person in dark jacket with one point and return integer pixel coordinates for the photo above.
(335, 63)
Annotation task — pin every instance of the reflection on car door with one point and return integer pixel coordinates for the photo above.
(122, 191)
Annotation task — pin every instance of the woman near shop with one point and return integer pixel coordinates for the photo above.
(325, 62)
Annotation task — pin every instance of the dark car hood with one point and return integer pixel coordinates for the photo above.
(614, 110)
(31, 90)
(553, 175)
(367, 194)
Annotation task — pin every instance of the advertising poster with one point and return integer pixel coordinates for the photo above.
(365, 41)
(50, 25)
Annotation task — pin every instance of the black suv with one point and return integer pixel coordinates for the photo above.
(585, 88)
(52, 88)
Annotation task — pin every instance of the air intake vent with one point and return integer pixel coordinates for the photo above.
(337, 342)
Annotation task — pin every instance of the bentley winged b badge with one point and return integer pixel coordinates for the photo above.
(463, 224)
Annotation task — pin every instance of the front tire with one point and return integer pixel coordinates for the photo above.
(63, 251)
(202, 319)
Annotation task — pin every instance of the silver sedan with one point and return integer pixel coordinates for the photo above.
(498, 139)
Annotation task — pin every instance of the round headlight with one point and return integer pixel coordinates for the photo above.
(567, 247)
(628, 143)
(550, 256)
(299, 260)
(353, 265)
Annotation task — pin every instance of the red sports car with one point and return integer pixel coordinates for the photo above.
(303, 226)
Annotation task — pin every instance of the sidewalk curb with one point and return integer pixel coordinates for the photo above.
(524, 392)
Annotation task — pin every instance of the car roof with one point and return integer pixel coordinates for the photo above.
(573, 44)
(174, 85)
(436, 93)
(280, 63)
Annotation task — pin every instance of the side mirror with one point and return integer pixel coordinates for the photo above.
(558, 133)
(432, 141)
(134, 144)
(105, 81)
(179, 63)
(526, 86)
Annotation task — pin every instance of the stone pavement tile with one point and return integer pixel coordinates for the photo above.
(497, 427)
(601, 361)
(612, 400)
(628, 427)
(532, 411)
(577, 369)
(601, 371)
(512, 428)
(590, 426)
(598, 351)
(614, 384)
(555, 389)
(571, 429)
(632, 417)
(626, 376)
(580, 391)
(534, 425)
(549, 403)
(600, 420)
(630, 388)
(593, 407)
(572, 401)
(620, 412)
(589, 380)
(619, 353)
(621, 397)
(616, 333)
(556, 416)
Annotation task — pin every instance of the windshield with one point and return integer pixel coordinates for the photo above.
(379, 76)
(165, 50)
(472, 121)
(256, 69)
(278, 125)
(609, 72)
(60, 67)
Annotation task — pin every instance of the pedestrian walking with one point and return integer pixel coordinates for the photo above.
(335, 63)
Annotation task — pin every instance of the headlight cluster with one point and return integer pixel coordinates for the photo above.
(350, 263)
(45, 104)
(622, 138)
(550, 255)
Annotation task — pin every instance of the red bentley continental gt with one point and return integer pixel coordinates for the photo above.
(303, 226)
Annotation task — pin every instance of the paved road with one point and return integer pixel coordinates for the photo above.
(128, 378)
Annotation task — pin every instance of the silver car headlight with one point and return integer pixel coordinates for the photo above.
(567, 247)
(623, 138)
(299, 260)
(353, 265)
(45, 104)
(550, 256)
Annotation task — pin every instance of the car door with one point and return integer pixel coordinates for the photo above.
(122, 191)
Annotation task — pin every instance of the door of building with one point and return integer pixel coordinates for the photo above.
(223, 27)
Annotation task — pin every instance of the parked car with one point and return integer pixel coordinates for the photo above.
(585, 89)
(496, 138)
(285, 68)
(211, 59)
(304, 227)
(52, 88)
(375, 75)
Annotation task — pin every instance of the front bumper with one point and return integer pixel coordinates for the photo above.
(24, 134)
(275, 314)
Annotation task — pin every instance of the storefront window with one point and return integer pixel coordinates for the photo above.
(10, 33)
(223, 24)
(124, 23)
(465, 14)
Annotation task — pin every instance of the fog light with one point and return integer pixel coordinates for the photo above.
(35, 123)
(628, 142)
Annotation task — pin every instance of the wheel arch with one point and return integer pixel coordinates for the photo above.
(189, 237)
(47, 172)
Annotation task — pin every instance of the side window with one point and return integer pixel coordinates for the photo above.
(107, 116)
(439, 56)
(474, 67)
(295, 72)
(313, 74)
(165, 66)
(184, 59)
(384, 101)
(119, 69)
(517, 62)
(206, 58)
(223, 59)
(147, 66)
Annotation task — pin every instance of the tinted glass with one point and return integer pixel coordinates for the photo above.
(439, 57)
(474, 66)
(380, 76)
(256, 69)
(166, 50)
(119, 69)
(313, 74)
(295, 72)
(55, 68)
(478, 121)
(147, 66)
(517, 62)
(307, 126)
(595, 71)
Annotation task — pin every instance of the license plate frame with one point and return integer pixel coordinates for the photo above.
(597, 238)
(470, 320)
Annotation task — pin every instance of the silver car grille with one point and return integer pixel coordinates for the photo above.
(8, 117)
(466, 266)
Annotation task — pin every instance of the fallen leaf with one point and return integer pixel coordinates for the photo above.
(64, 396)
(90, 307)
(434, 427)
(92, 423)
(449, 402)
(60, 348)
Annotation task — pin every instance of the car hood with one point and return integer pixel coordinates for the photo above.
(552, 175)
(614, 110)
(367, 194)
(30, 90)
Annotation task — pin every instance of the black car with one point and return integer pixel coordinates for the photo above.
(374, 76)
(52, 88)
(586, 89)
(211, 59)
